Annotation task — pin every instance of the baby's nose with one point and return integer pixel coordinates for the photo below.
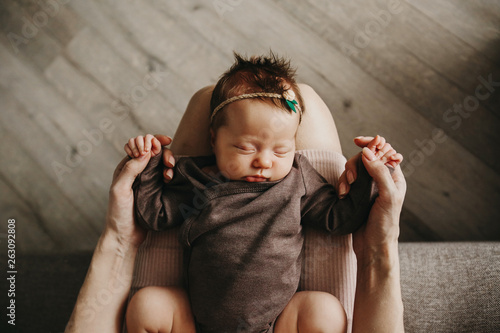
(263, 161)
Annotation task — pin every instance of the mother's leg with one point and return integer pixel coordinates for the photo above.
(193, 136)
(317, 130)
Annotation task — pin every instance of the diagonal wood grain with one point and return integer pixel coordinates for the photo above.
(130, 67)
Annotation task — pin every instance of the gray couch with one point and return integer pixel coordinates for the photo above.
(451, 287)
(447, 287)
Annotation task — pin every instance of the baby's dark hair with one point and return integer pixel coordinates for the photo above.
(269, 74)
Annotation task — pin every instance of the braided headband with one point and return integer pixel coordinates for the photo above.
(288, 96)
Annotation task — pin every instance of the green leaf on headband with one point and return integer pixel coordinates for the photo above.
(291, 105)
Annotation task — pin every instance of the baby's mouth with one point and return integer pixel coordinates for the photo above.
(256, 178)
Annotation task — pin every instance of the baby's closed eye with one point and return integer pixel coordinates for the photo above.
(245, 149)
(282, 152)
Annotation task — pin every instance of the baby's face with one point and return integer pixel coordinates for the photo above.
(257, 142)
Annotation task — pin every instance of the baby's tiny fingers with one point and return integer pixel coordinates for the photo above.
(139, 141)
(381, 143)
(133, 147)
(387, 148)
(129, 151)
(372, 145)
(393, 159)
(393, 164)
(147, 142)
(397, 157)
(387, 156)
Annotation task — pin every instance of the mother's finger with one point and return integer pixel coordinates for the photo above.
(168, 163)
(164, 139)
(379, 172)
(168, 174)
(342, 185)
(351, 168)
(348, 176)
(128, 151)
(119, 167)
(127, 170)
(363, 141)
(168, 158)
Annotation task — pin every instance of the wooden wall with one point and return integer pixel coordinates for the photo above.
(79, 77)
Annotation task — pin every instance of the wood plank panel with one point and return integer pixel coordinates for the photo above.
(57, 129)
(94, 57)
(55, 18)
(30, 234)
(55, 213)
(94, 102)
(22, 37)
(168, 38)
(475, 22)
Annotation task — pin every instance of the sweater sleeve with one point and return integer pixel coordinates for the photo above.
(159, 206)
(321, 207)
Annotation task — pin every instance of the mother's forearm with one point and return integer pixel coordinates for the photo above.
(101, 302)
(378, 306)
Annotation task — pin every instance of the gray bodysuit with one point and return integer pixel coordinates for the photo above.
(243, 240)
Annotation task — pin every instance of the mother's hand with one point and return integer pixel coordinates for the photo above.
(382, 227)
(120, 219)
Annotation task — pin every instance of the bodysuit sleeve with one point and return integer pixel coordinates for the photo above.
(158, 205)
(321, 207)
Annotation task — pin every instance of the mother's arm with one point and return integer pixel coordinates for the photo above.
(101, 302)
(378, 305)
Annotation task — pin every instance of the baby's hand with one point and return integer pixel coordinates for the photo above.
(384, 151)
(380, 149)
(140, 146)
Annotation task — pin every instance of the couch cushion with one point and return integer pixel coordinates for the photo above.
(451, 287)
